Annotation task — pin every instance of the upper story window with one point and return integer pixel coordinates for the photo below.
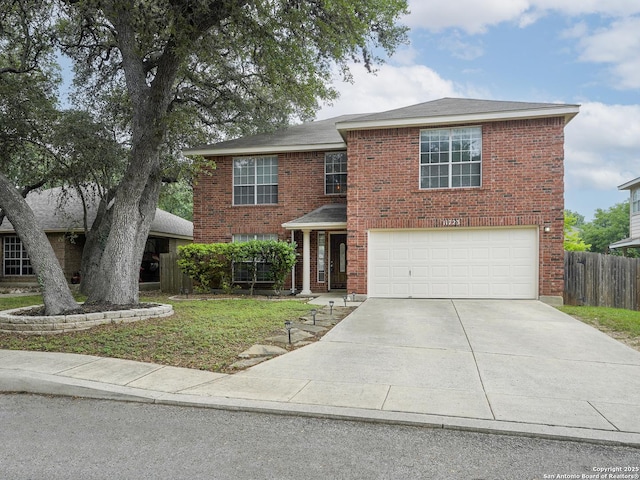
(255, 180)
(635, 201)
(16, 259)
(450, 157)
(335, 172)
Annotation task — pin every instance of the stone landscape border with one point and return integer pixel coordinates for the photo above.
(42, 325)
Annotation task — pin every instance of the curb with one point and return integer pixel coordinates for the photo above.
(13, 381)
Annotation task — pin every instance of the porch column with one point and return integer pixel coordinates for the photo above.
(306, 262)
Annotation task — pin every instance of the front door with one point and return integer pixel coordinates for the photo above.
(338, 256)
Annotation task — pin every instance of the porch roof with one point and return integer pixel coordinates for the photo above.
(327, 217)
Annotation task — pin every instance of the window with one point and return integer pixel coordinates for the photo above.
(241, 272)
(335, 172)
(16, 259)
(255, 180)
(635, 201)
(321, 250)
(450, 157)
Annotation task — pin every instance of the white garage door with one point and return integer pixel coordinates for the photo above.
(453, 263)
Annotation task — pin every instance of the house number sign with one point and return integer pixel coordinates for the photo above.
(451, 222)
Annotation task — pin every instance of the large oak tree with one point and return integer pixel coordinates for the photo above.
(171, 70)
(27, 112)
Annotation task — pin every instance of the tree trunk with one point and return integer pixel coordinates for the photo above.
(53, 285)
(116, 278)
(96, 239)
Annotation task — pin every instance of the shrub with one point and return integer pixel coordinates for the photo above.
(207, 264)
(211, 265)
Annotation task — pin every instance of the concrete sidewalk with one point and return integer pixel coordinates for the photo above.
(515, 367)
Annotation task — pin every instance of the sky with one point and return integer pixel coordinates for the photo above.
(584, 52)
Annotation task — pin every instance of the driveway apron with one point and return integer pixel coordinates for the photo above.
(509, 360)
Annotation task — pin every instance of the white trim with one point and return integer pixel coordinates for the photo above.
(629, 242)
(450, 164)
(568, 112)
(306, 262)
(255, 183)
(629, 184)
(212, 151)
(315, 226)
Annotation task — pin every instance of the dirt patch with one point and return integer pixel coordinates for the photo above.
(629, 340)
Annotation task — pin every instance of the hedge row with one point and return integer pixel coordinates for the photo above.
(210, 265)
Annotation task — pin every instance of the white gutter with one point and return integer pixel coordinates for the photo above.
(566, 111)
(262, 150)
(315, 226)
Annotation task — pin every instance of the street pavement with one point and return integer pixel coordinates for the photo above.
(517, 367)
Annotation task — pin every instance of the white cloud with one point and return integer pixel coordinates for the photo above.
(469, 15)
(475, 17)
(461, 49)
(601, 147)
(617, 45)
(390, 87)
(405, 56)
(578, 30)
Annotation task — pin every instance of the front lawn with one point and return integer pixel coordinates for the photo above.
(619, 323)
(202, 334)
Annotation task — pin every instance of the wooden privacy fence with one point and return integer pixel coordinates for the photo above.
(601, 280)
(172, 280)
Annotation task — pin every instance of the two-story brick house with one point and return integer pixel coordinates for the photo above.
(453, 198)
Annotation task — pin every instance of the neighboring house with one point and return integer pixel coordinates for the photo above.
(634, 211)
(453, 198)
(61, 218)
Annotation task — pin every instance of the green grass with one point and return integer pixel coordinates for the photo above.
(613, 319)
(7, 303)
(206, 335)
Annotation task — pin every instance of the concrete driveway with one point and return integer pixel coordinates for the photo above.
(513, 361)
(502, 366)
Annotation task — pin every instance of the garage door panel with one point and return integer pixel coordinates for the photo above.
(480, 271)
(418, 254)
(459, 271)
(441, 271)
(454, 263)
(459, 254)
(439, 254)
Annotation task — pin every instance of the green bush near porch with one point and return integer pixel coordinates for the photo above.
(211, 265)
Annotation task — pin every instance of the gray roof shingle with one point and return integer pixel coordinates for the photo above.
(455, 106)
(326, 134)
(332, 214)
(56, 215)
(320, 133)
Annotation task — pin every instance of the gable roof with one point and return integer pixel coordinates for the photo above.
(310, 136)
(324, 135)
(458, 110)
(68, 216)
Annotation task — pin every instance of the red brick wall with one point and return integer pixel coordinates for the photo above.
(300, 190)
(522, 184)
